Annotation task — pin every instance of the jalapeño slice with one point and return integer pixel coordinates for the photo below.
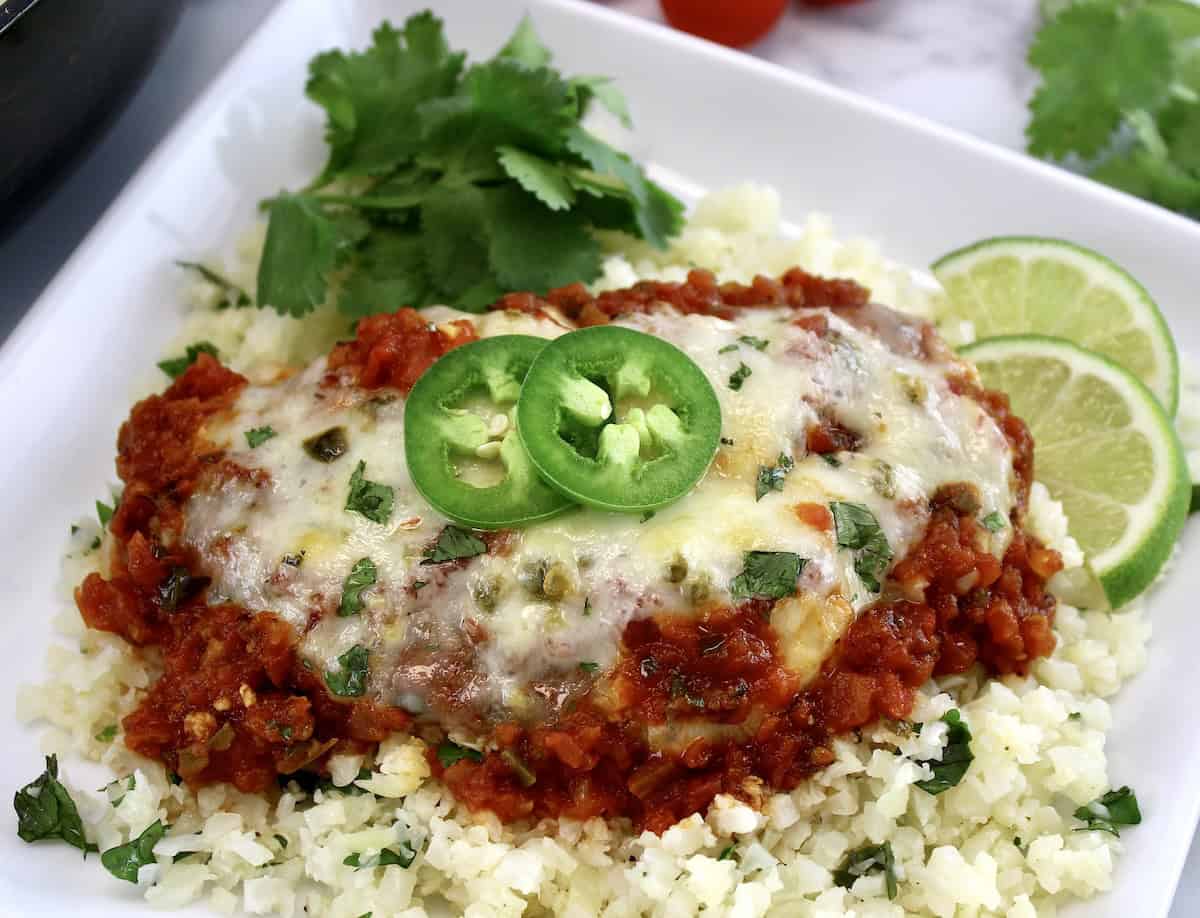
(617, 419)
(463, 453)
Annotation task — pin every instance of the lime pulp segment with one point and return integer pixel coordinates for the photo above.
(1103, 446)
(1029, 285)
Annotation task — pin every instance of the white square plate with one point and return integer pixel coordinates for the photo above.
(712, 115)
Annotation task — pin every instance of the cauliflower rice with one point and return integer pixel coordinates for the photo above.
(1002, 842)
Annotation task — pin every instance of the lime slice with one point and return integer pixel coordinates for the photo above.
(1103, 446)
(1016, 285)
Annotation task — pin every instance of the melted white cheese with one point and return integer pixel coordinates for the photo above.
(607, 569)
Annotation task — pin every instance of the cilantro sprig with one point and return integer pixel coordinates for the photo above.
(1120, 95)
(1113, 808)
(449, 183)
(956, 757)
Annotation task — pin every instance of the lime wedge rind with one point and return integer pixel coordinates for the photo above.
(1127, 566)
(956, 269)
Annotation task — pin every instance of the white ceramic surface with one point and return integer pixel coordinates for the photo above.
(712, 116)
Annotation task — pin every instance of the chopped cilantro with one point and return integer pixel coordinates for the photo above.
(865, 860)
(418, 585)
(767, 575)
(283, 842)
(646, 516)
(404, 857)
(739, 376)
(257, 436)
(759, 344)
(449, 753)
(45, 810)
(956, 756)
(1114, 808)
(727, 853)
(108, 734)
(104, 513)
(369, 498)
(232, 296)
(588, 666)
(831, 460)
(349, 680)
(994, 521)
(858, 530)
(452, 544)
(175, 366)
(727, 349)
(478, 180)
(362, 576)
(124, 861)
(1075, 715)
(770, 477)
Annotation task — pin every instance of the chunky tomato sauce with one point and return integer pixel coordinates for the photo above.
(235, 704)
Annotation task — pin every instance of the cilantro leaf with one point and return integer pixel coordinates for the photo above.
(602, 89)
(124, 860)
(362, 576)
(448, 753)
(389, 271)
(1098, 60)
(767, 575)
(403, 856)
(304, 246)
(542, 178)
(232, 296)
(656, 215)
(858, 530)
(956, 756)
(104, 513)
(770, 477)
(739, 376)
(108, 734)
(533, 248)
(371, 499)
(1112, 809)
(865, 860)
(349, 680)
(257, 436)
(371, 98)
(525, 46)
(175, 366)
(452, 544)
(455, 241)
(994, 521)
(45, 810)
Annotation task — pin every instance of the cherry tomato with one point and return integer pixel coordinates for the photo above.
(729, 22)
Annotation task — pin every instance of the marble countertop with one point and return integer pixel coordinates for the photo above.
(959, 62)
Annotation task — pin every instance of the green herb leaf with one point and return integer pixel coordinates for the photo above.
(1114, 808)
(452, 544)
(179, 587)
(403, 855)
(104, 513)
(371, 99)
(124, 861)
(956, 756)
(604, 91)
(257, 436)
(525, 46)
(589, 667)
(739, 376)
(45, 810)
(994, 521)
(728, 348)
(534, 248)
(369, 498)
(362, 576)
(759, 344)
(449, 753)
(388, 272)
(770, 477)
(767, 575)
(865, 860)
(350, 679)
(1098, 60)
(857, 529)
(727, 853)
(175, 366)
(304, 246)
(108, 734)
(454, 235)
(232, 296)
